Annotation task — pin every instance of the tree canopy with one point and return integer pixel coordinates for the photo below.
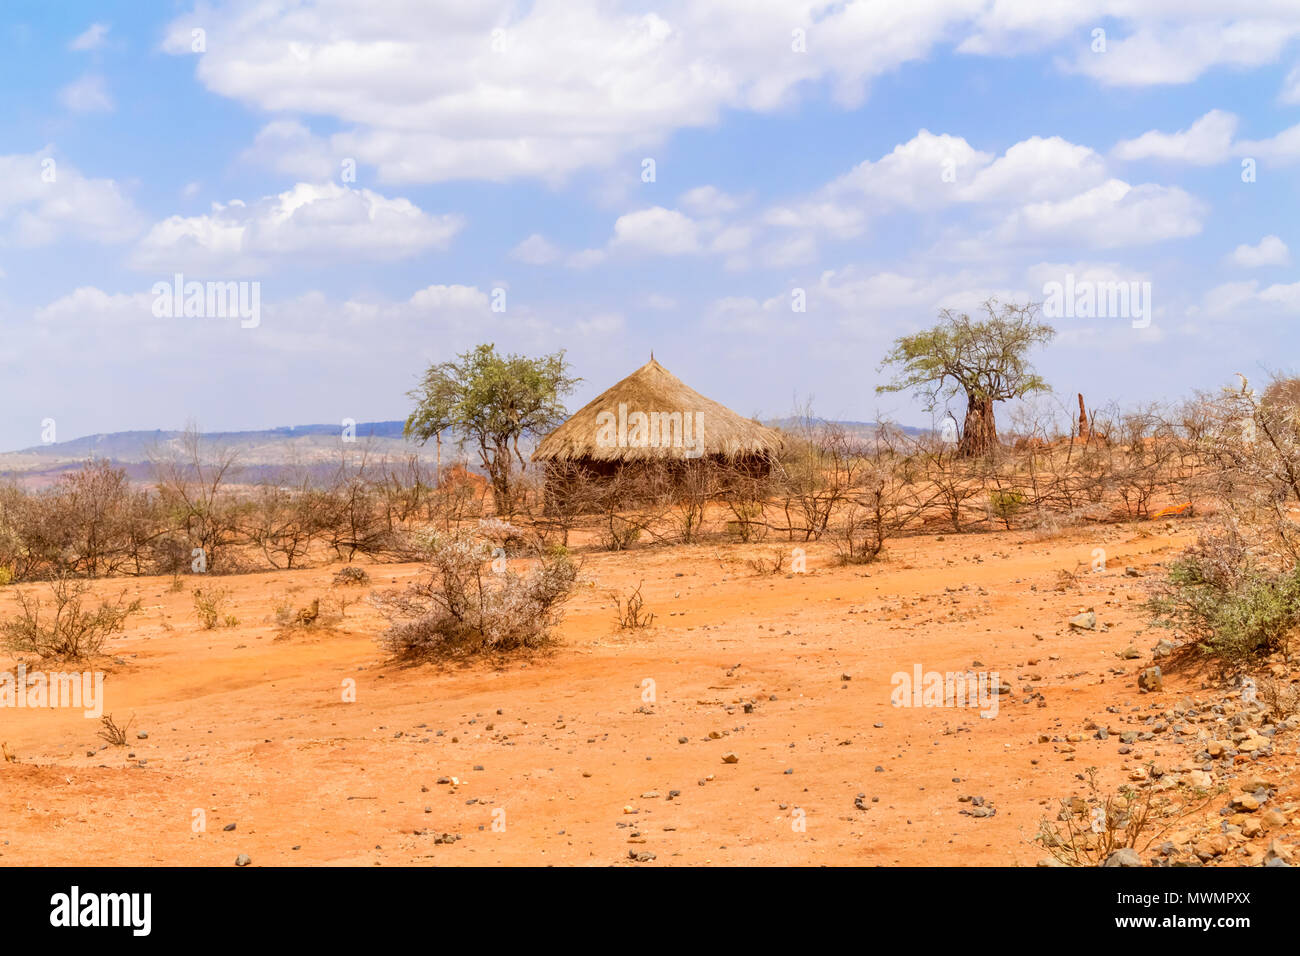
(985, 358)
(493, 401)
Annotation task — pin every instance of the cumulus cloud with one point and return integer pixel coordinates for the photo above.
(44, 198)
(1205, 142)
(1269, 251)
(496, 90)
(1247, 300)
(1281, 149)
(327, 220)
(1159, 52)
(656, 231)
(1112, 214)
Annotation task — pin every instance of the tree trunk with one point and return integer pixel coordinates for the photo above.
(979, 435)
(503, 489)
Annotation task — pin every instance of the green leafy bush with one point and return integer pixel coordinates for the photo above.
(1235, 609)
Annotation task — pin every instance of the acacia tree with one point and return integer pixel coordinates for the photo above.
(983, 358)
(492, 401)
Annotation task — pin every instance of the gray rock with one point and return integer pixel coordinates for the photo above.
(1126, 856)
(1151, 680)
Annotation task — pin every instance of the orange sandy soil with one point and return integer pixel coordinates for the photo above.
(250, 725)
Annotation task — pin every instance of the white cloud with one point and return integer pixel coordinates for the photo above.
(1246, 300)
(44, 198)
(1210, 140)
(327, 220)
(1282, 149)
(87, 95)
(497, 90)
(1112, 214)
(535, 250)
(457, 297)
(94, 305)
(1205, 142)
(289, 147)
(790, 251)
(709, 201)
(1168, 52)
(1269, 251)
(913, 173)
(1287, 296)
(1036, 168)
(92, 38)
(656, 231)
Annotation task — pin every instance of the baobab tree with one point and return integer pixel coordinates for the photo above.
(986, 359)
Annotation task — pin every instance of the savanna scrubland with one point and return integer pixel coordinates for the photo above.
(680, 662)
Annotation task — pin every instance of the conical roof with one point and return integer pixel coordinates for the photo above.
(608, 427)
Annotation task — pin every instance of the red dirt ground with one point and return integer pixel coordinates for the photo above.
(250, 726)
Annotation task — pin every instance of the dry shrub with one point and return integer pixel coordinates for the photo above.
(351, 576)
(112, 732)
(1235, 607)
(210, 608)
(71, 632)
(1280, 697)
(770, 562)
(631, 612)
(1087, 831)
(319, 612)
(460, 608)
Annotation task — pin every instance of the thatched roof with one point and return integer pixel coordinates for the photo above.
(652, 414)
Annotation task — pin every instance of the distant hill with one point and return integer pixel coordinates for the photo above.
(860, 428)
(264, 453)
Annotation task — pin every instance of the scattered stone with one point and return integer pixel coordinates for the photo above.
(1125, 856)
(243, 859)
(1151, 680)
(1086, 621)
(1245, 803)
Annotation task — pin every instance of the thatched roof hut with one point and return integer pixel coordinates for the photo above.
(653, 416)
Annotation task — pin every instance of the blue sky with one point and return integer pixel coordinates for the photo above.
(906, 159)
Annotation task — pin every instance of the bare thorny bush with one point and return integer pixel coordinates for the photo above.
(64, 628)
(463, 605)
(93, 522)
(630, 612)
(1087, 830)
